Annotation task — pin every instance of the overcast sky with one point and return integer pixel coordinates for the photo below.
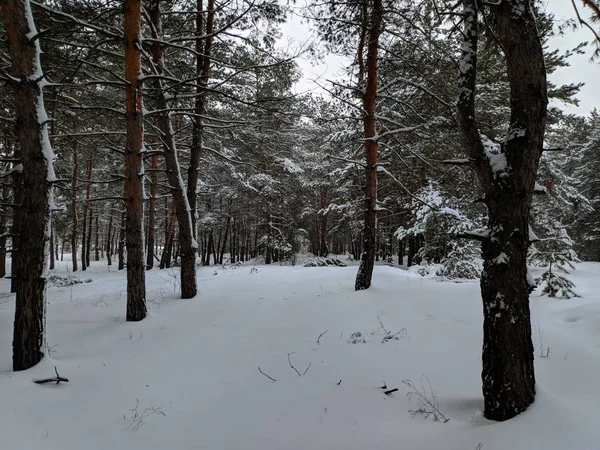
(581, 69)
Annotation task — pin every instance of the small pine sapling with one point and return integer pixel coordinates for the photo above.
(557, 254)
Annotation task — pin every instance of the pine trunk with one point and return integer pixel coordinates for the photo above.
(367, 262)
(508, 372)
(38, 174)
(187, 243)
(134, 167)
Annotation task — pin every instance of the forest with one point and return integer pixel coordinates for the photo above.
(441, 172)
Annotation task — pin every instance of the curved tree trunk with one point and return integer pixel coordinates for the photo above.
(187, 243)
(506, 170)
(38, 174)
(134, 168)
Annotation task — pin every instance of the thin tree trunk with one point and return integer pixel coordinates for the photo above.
(88, 250)
(109, 238)
(74, 223)
(3, 238)
(203, 59)
(365, 270)
(38, 174)
(121, 243)
(187, 243)
(51, 249)
(134, 167)
(97, 242)
(152, 214)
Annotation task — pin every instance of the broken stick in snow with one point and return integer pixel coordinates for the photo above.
(56, 379)
(321, 335)
(270, 378)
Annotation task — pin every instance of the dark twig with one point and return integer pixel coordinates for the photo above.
(339, 382)
(292, 366)
(270, 378)
(388, 392)
(304, 373)
(56, 379)
(321, 335)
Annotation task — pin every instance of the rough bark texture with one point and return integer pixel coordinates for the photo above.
(187, 243)
(17, 223)
(508, 373)
(365, 270)
(133, 185)
(32, 133)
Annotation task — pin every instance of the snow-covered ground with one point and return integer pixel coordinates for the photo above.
(192, 371)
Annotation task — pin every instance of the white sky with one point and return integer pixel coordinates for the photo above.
(581, 69)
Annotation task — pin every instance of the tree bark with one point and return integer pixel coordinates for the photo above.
(38, 176)
(17, 222)
(506, 171)
(134, 167)
(187, 243)
(367, 262)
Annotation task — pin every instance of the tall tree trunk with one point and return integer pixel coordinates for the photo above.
(121, 243)
(74, 223)
(203, 59)
(152, 214)
(134, 167)
(108, 239)
(97, 242)
(506, 171)
(84, 238)
(51, 248)
(224, 243)
(87, 218)
(3, 238)
(38, 176)
(165, 260)
(88, 250)
(367, 262)
(187, 243)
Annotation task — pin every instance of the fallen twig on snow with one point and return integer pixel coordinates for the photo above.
(292, 366)
(320, 336)
(57, 379)
(270, 378)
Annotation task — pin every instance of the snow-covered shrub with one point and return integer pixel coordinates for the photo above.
(323, 262)
(69, 280)
(462, 261)
(557, 254)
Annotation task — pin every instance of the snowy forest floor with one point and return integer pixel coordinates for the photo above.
(187, 377)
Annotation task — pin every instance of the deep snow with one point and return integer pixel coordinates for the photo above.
(197, 362)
